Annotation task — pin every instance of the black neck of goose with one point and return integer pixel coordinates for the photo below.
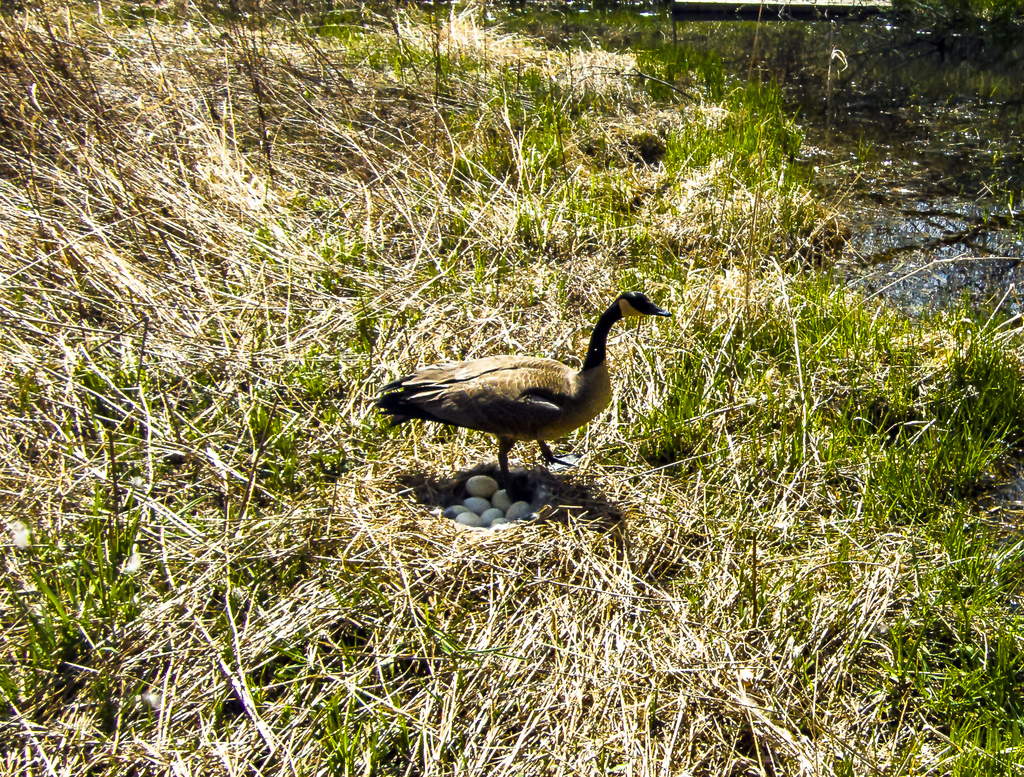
(599, 339)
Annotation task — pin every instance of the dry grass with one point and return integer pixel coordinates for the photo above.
(214, 249)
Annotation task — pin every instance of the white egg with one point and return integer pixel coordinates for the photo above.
(454, 510)
(470, 519)
(481, 485)
(494, 514)
(501, 500)
(518, 511)
(477, 504)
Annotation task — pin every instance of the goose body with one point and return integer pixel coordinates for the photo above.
(515, 398)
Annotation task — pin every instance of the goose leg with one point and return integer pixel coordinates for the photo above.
(505, 444)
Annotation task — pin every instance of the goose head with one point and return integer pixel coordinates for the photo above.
(635, 303)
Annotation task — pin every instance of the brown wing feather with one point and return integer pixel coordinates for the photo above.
(504, 395)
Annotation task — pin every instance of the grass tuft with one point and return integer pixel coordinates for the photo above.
(223, 235)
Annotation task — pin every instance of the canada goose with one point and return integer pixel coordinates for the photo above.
(515, 397)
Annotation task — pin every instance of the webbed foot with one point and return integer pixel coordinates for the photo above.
(557, 463)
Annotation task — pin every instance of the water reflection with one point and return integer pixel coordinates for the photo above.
(917, 136)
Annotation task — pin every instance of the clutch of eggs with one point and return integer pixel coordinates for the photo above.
(487, 506)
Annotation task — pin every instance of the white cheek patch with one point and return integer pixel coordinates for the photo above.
(627, 309)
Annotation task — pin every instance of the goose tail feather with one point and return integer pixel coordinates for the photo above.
(399, 401)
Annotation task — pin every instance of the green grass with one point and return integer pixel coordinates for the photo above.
(221, 557)
(881, 427)
(840, 387)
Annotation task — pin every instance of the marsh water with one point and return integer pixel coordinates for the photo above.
(919, 139)
(915, 136)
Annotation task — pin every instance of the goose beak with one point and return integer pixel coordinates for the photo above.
(660, 312)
